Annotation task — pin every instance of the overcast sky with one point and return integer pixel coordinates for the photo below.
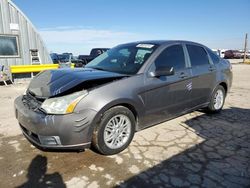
(77, 26)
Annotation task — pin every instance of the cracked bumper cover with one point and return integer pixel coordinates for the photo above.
(70, 131)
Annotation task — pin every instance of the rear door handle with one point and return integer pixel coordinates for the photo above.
(183, 75)
(211, 69)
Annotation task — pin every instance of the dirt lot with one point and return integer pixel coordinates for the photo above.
(195, 150)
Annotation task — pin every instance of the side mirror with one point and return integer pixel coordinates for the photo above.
(162, 71)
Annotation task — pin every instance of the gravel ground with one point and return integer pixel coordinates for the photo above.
(194, 150)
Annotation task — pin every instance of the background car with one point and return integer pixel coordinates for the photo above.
(66, 58)
(232, 54)
(247, 54)
(95, 52)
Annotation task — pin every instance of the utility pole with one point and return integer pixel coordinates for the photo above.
(245, 49)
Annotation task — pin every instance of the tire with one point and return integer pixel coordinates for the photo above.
(216, 106)
(109, 140)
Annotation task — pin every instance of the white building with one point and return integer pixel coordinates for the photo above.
(20, 43)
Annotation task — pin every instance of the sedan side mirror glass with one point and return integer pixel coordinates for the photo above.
(162, 71)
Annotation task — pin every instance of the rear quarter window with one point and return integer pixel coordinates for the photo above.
(213, 56)
(198, 56)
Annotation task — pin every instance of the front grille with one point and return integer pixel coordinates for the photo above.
(31, 102)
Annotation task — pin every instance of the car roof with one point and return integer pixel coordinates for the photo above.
(100, 48)
(164, 42)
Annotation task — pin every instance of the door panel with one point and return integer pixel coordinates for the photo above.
(203, 75)
(203, 82)
(167, 96)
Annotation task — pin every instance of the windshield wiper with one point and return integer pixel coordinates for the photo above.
(102, 69)
(98, 68)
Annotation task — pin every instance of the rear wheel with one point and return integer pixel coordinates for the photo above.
(115, 131)
(217, 100)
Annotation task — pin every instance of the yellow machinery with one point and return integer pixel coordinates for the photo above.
(15, 69)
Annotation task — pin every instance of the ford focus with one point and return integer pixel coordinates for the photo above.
(126, 89)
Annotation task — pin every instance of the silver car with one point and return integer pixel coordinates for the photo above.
(126, 89)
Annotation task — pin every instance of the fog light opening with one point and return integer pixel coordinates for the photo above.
(49, 140)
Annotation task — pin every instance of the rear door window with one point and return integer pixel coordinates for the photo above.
(213, 56)
(198, 56)
(172, 56)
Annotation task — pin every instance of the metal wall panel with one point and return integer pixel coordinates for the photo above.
(29, 38)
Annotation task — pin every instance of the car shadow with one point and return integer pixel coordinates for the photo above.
(221, 160)
(37, 176)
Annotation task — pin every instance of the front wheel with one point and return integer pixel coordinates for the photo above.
(115, 131)
(217, 100)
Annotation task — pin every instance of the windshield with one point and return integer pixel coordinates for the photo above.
(125, 59)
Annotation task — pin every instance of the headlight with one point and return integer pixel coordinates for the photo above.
(25, 91)
(63, 105)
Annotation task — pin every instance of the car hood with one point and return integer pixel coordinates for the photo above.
(50, 83)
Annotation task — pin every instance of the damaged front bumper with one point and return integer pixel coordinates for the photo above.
(69, 131)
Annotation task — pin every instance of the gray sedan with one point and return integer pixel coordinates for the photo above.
(126, 89)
